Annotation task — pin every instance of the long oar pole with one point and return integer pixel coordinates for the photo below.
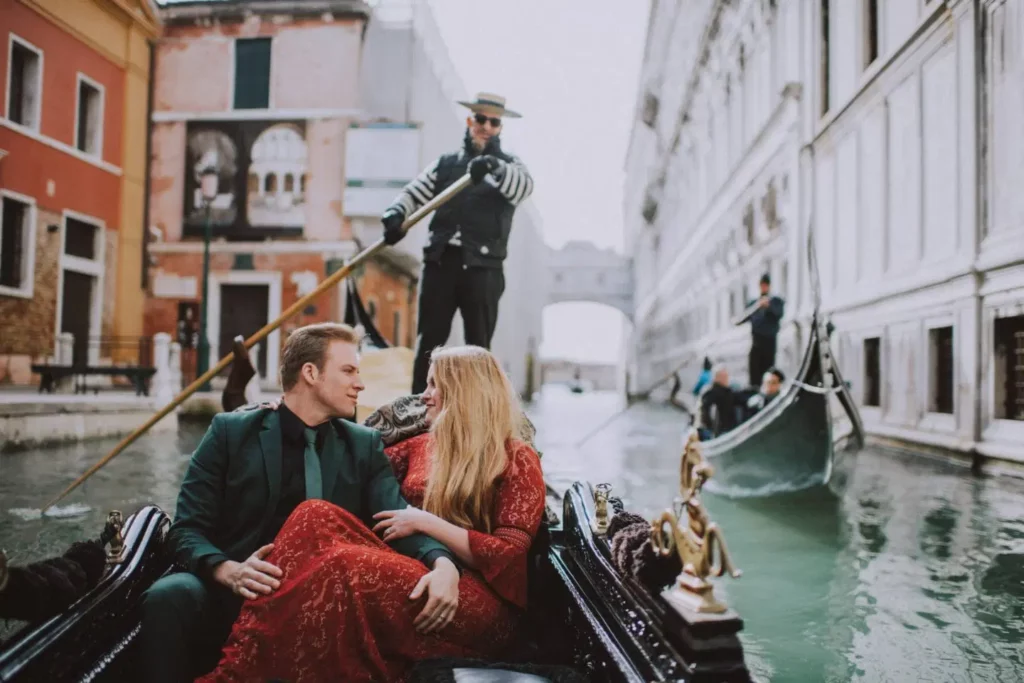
(262, 334)
(669, 376)
(604, 425)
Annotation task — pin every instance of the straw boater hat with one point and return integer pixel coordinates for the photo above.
(492, 105)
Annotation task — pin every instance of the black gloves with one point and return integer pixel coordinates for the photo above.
(393, 232)
(481, 166)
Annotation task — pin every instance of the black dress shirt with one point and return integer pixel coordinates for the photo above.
(293, 466)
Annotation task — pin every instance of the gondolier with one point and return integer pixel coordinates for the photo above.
(462, 261)
(764, 328)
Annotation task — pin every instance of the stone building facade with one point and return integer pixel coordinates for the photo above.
(891, 130)
(267, 94)
(74, 77)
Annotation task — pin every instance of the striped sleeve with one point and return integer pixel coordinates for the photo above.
(417, 193)
(513, 181)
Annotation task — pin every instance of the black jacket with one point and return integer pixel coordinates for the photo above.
(479, 219)
(723, 399)
(765, 321)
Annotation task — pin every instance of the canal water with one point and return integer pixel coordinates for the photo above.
(914, 572)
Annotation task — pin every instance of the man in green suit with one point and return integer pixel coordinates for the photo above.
(251, 470)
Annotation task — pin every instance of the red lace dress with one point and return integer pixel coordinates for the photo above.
(343, 611)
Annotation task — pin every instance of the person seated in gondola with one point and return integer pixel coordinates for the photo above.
(771, 385)
(705, 377)
(249, 474)
(718, 406)
(347, 606)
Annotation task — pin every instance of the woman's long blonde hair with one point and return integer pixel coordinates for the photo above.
(480, 412)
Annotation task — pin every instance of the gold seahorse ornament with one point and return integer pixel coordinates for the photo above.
(694, 537)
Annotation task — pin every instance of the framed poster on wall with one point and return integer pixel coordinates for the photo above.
(262, 172)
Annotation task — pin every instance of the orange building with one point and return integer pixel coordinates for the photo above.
(75, 81)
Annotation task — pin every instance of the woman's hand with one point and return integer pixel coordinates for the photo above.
(398, 524)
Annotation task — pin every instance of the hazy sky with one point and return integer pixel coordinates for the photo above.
(571, 68)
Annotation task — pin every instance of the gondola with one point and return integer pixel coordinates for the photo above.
(613, 598)
(585, 614)
(793, 442)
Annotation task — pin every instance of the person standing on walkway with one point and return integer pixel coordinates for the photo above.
(464, 255)
(764, 327)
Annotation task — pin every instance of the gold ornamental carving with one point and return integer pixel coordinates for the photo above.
(690, 533)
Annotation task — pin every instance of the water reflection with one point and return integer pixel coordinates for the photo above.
(148, 471)
(914, 573)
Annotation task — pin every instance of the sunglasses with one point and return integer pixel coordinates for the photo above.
(482, 119)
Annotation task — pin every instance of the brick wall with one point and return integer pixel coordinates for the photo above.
(311, 47)
(29, 325)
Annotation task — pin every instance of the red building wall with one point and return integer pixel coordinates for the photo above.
(44, 165)
(32, 165)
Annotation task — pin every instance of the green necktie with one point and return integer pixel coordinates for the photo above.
(314, 479)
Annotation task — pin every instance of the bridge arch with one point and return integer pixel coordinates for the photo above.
(581, 271)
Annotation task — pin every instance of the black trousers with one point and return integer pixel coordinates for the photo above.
(185, 623)
(761, 359)
(445, 287)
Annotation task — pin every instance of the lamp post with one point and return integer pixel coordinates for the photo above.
(208, 187)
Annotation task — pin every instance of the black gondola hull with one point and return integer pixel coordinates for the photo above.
(583, 614)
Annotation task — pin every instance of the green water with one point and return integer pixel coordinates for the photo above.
(914, 573)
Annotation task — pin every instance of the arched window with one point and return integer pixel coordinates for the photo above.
(270, 183)
(289, 182)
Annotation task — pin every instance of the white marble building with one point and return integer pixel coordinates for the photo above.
(408, 78)
(892, 127)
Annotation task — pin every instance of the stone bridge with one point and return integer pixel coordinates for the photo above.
(581, 271)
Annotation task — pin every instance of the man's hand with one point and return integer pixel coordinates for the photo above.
(483, 165)
(393, 232)
(251, 578)
(442, 588)
(398, 524)
(763, 303)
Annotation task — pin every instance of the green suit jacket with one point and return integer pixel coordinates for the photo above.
(233, 483)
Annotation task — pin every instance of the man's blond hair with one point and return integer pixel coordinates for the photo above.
(309, 344)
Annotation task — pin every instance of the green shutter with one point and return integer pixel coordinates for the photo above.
(252, 73)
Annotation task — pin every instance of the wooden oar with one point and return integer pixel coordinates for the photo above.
(259, 336)
(748, 313)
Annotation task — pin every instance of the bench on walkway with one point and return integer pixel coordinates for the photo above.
(50, 375)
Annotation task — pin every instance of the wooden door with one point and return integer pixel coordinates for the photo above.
(243, 311)
(76, 312)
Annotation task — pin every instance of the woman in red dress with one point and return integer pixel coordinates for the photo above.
(348, 607)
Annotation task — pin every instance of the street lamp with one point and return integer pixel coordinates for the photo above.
(208, 188)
